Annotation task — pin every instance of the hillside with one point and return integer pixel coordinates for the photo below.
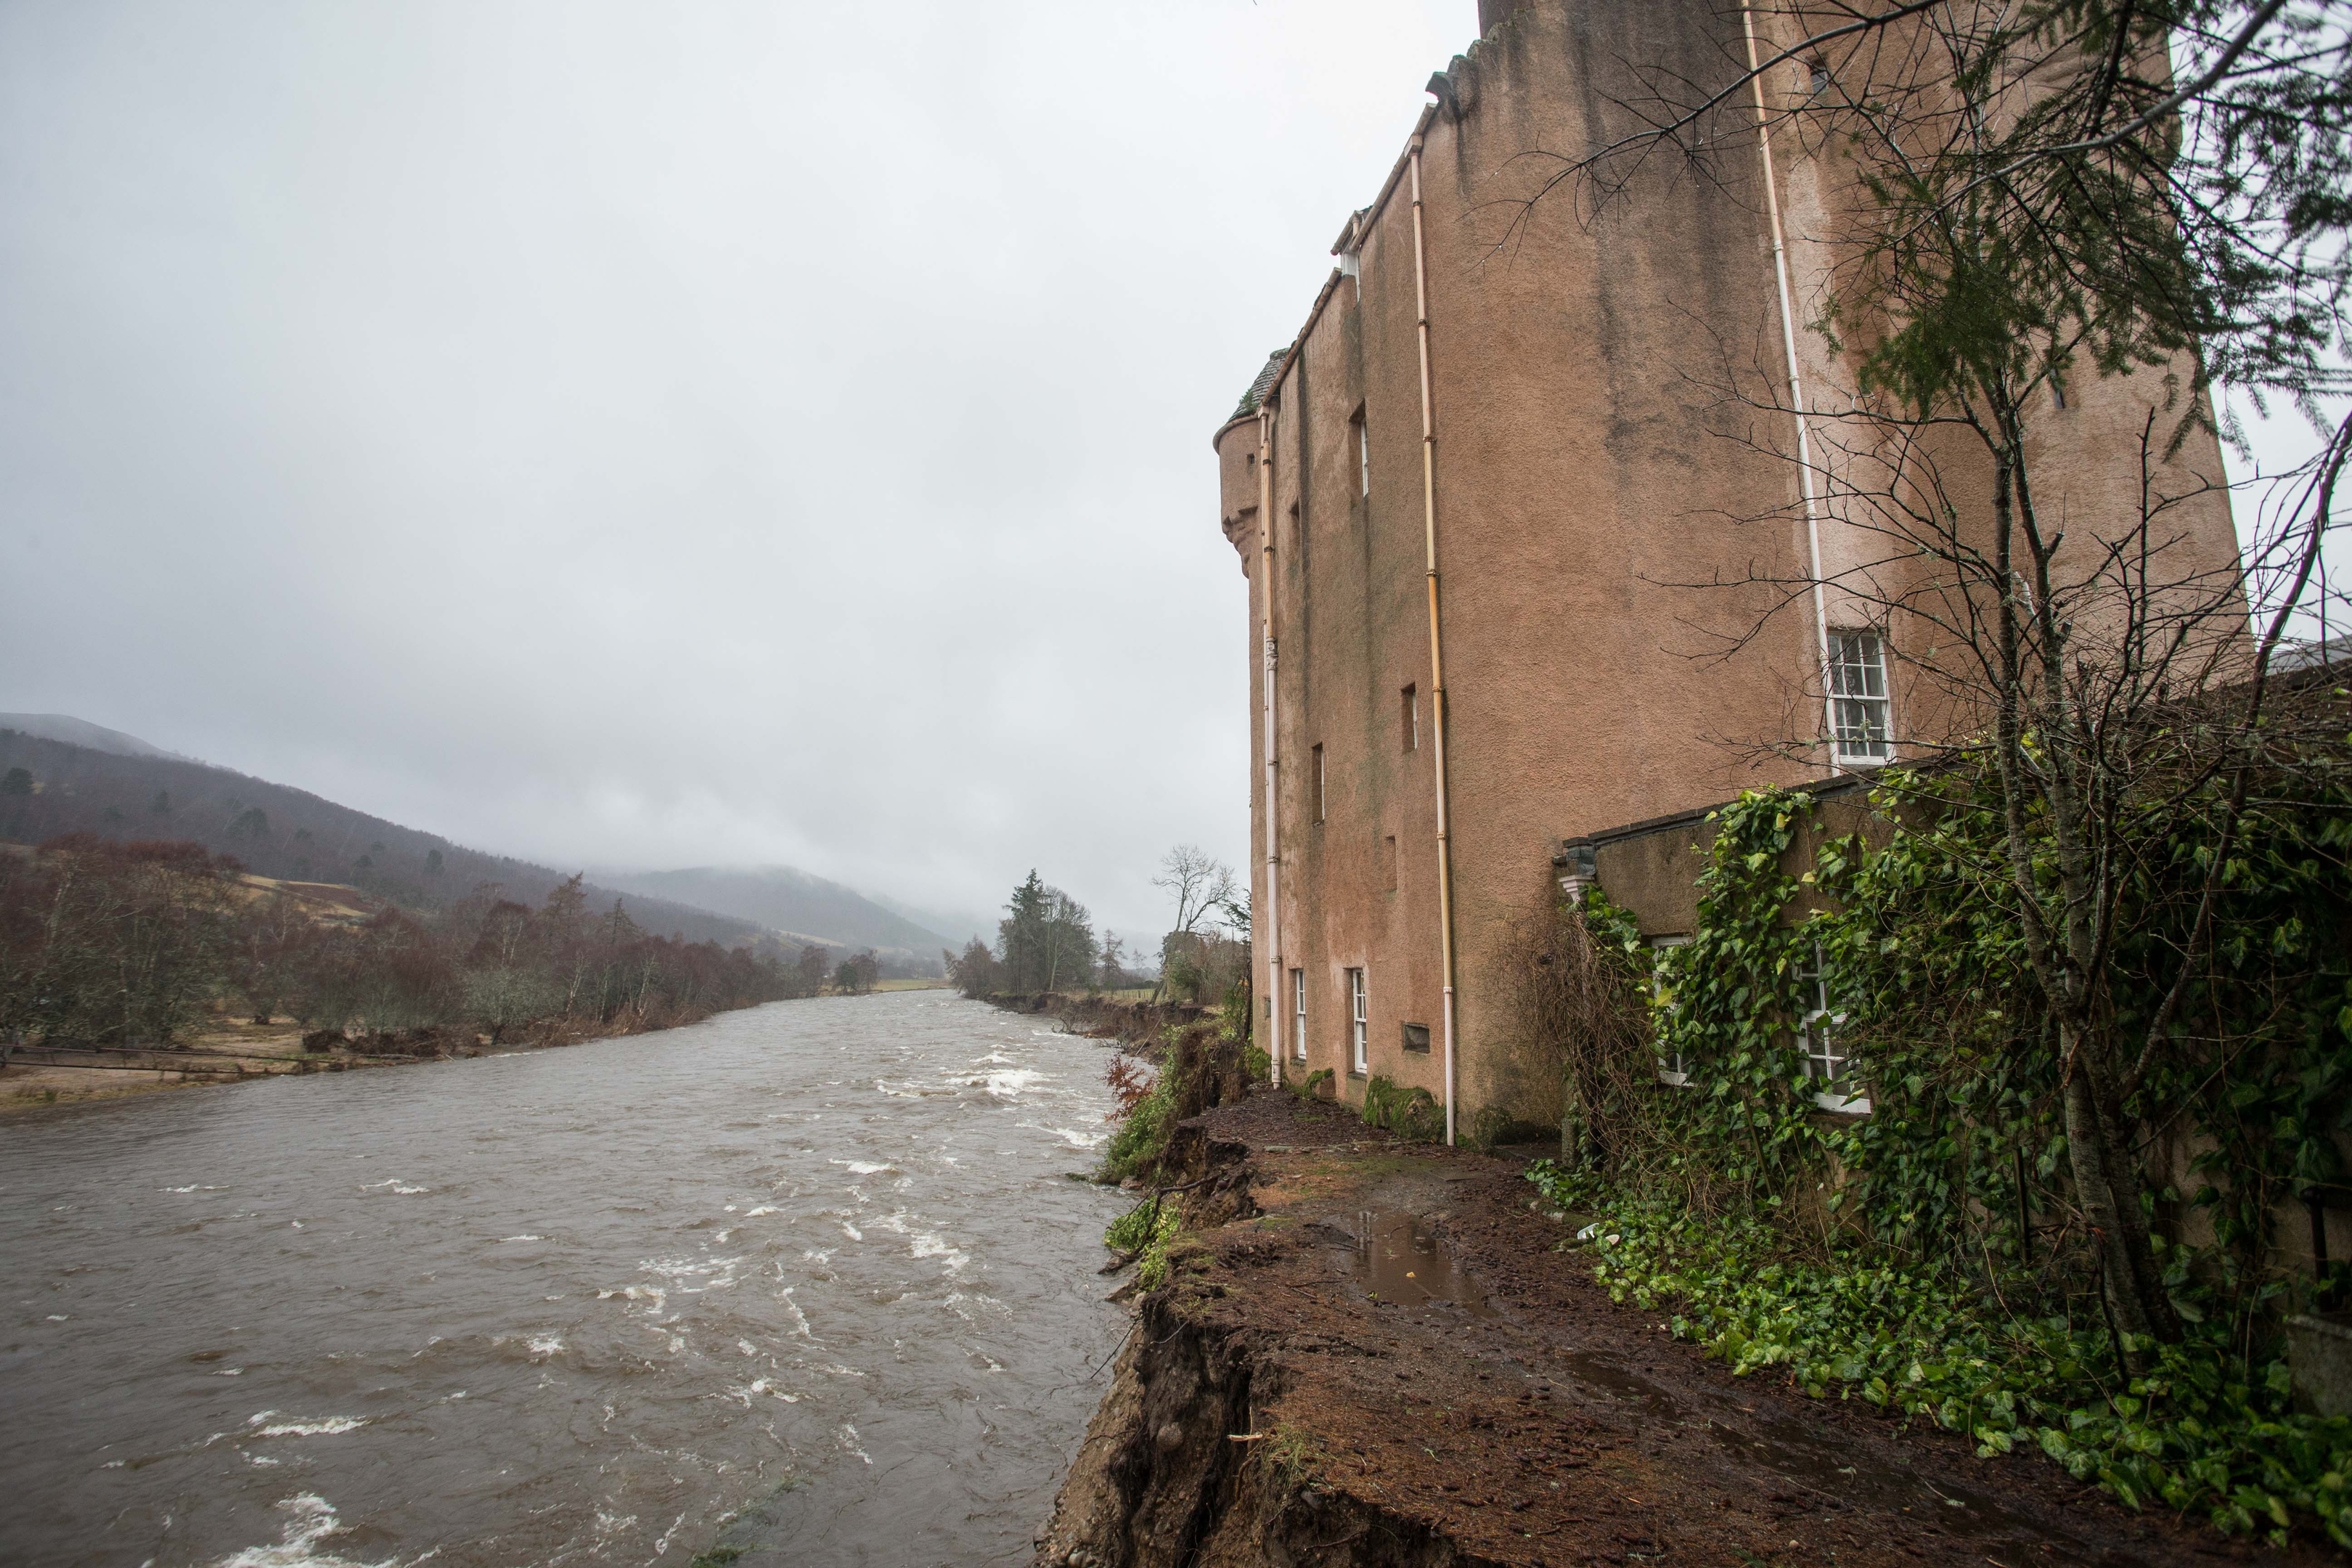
(278, 831)
(82, 733)
(790, 901)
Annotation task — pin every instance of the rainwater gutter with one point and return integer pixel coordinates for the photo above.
(1796, 388)
(1436, 643)
(1265, 417)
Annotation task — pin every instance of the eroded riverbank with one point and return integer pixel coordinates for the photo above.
(1369, 1353)
(808, 1279)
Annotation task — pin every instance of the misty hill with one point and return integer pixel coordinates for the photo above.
(790, 901)
(283, 832)
(82, 733)
(963, 926)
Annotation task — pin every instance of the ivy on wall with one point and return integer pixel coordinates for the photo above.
(1927, 1256)
(1931, 1000)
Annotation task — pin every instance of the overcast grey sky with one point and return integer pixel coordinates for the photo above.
(657, 435)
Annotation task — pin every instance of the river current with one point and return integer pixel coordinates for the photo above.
(808, 1279)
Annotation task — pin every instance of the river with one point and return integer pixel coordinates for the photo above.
(808, 1279)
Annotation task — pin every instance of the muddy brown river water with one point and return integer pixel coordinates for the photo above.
(807, 1279)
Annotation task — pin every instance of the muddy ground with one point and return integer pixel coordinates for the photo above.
(1420, 1377)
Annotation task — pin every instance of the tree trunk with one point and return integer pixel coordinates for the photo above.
(2109, 1194)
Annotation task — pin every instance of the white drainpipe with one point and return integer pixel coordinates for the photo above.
(1796, 388)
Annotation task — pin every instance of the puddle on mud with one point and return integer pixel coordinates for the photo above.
(1397, 1260)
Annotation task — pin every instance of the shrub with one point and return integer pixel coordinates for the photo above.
(1412, 1114)
(1148, 1230)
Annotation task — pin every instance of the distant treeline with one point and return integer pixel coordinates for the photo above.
(1046, 941)
(133, 942)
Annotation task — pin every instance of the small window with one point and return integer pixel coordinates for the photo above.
(1359, 1018)
(1298, 1014)
(1817, 77)
(1858, 704)
(1825, 1059)
(1408, 718)
(1363, 453)
(1416, 1038)
(1388, 863)
(1319, 796)
(1672, 1067)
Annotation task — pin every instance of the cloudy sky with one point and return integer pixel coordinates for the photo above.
(643, 436)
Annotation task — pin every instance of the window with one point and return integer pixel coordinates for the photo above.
(1672, 1067)
(1826, 1064)
(1416, 1038)
(1319, 796)
(1409, 717)
(1817, 77)
(1360, 1060)
(1363, 453)
(1298, 1014)
(1388, 863)
(1858, 696)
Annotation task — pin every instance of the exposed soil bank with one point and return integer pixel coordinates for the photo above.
(1421, 1378)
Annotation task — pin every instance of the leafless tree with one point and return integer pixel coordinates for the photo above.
(1199, 882)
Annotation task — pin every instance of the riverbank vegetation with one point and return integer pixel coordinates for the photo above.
(1202, 1064)
(110, 943)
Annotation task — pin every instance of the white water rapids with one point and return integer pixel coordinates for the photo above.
(807, 1279)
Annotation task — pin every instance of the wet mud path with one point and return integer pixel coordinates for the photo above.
(1417, 1376)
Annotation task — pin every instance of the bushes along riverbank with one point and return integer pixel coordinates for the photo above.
(158, 945)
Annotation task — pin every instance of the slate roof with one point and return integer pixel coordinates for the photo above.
(1261, 386)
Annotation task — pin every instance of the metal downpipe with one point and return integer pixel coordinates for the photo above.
(1436, 642)
(1796, 387)
(1265, 416)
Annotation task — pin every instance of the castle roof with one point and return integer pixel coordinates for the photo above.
(1261, 386)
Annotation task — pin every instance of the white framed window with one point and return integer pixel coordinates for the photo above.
(1359, 1035)
(1363, 453)
(1672, 1067)
(1858, 701)
(1412, 718)
(1321, 797)
(1826, 1059)
(1298, 1014)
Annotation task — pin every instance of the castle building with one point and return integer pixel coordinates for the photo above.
(1476, 499)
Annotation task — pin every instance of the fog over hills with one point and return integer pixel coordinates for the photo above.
(82, 733)
(789, 900)
(963, 925)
